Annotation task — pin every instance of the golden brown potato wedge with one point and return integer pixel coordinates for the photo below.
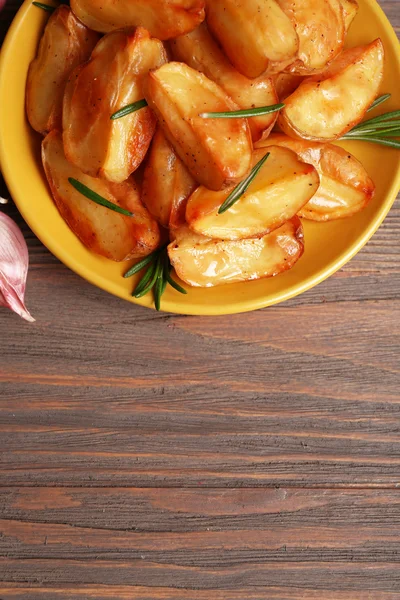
(252, 33)
(167, 184)
(200, 51)
(350, 10)
(216, 151)
(282, 187)
(320, 27)
(203, 262)
(164, 19)
(345, 186)
(65, 44)
(328, 105)
(111, 79)
(100, 229)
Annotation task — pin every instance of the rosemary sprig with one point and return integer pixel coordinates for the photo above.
(156, 277)
(128, 109)
(243, 186)
(246, 113)
(94, 197)
(380, 130)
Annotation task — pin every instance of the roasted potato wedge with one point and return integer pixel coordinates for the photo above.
(164, 19)
(252, 33)
(203, 262)
(350, 10)
(113, 78)
(65, 44)
(200, 51)
(215, 151)
(345, 186)
(100, 229)
(282, 187)
(167, 184)
(320, 27)
(328, 105)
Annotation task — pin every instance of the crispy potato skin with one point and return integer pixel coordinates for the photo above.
(101, 230)
(253, 34)
(200, 51)
(282, 187)
(350, 10)
(345, 186)
(320, 27)
(65, 44)
(328, 105)
(203, 262)
(111, 79)
(164, 19)
(167, 184)
(215, 151)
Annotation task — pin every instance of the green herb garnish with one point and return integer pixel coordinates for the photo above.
(380, 130)
(243, 186)
(46, 7)
(379, 101)
(94, 197)
(246, 113)
(128, 109)
(156, 277)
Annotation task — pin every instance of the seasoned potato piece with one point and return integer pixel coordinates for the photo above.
(203, 262)
(345, 186)
(326, 106)
(350, 10)
(65, 44)
(164, 19)
(102, 230)
(282, 187)
(167, 184)
(320, 27)
(113, 78)
(216, 151)
(252, 33)
(200, 51)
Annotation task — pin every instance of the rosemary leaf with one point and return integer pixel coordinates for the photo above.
(145, 279)
(379, 101)
(159, 287)
(175, 285)
(251, 112)
(243, 186)
(94, 197)
(128, 109)
(143, 290)
(383, 128)
(376, 120)
(141, 264)
(46, 7)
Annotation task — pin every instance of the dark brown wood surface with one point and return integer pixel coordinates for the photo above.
(148, 456)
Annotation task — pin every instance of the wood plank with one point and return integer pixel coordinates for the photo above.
(346, 576)
(100, 592)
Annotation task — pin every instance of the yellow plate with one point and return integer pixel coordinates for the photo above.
(328, 246)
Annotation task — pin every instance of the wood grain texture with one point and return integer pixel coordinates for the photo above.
(160, 457)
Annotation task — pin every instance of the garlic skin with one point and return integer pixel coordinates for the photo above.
(14, 260)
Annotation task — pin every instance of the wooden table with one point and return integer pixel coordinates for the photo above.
(149, 456)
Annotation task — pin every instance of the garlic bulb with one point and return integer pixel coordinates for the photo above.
(14, 261)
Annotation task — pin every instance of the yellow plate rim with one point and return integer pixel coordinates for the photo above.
(189, 308)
